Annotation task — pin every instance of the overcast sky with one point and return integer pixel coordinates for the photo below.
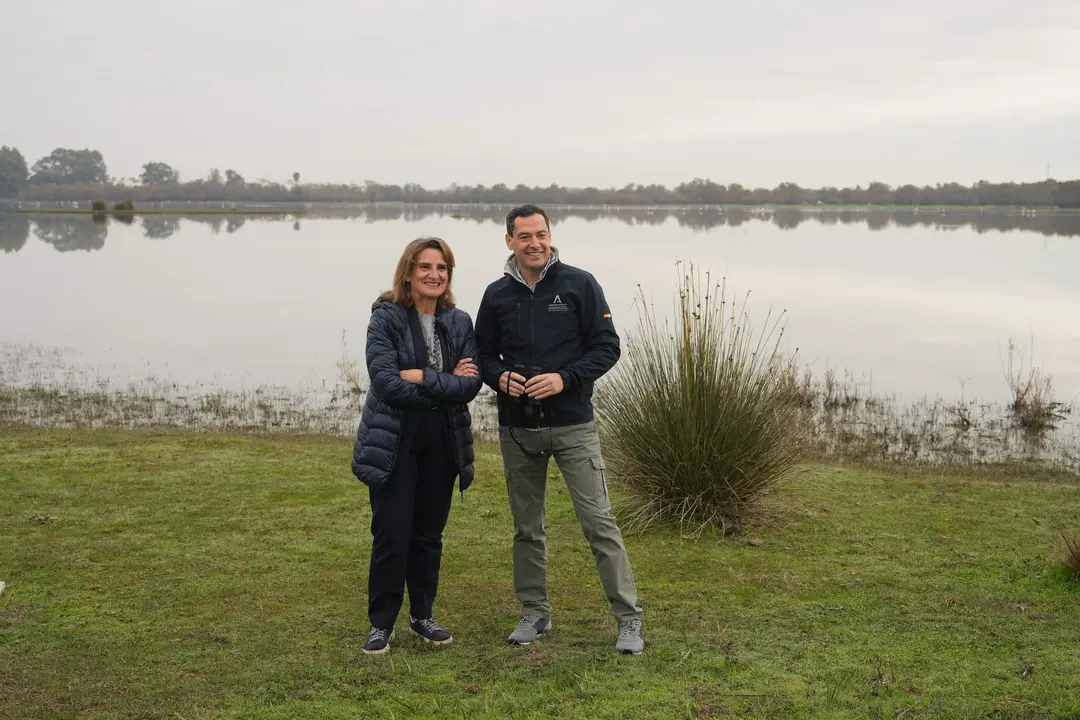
(590, 92)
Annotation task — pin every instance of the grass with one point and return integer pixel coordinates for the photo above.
(164, 574)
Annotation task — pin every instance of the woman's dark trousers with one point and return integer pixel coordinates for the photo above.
(408, 516)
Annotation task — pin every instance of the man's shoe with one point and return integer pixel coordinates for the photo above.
(631, 641)
(529, 628)
(431, 631)
(378, 641)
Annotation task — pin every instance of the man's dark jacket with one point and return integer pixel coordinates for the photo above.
(395, 343)
(562, 325)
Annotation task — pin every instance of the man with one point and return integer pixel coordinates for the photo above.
(544, 335)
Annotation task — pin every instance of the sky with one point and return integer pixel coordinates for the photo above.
(600, 93)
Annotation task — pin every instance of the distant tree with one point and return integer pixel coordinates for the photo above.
(234, 179)
(701, 192)
(232, 187)
(953, 194)
(907, 195)
(14, 174)
(879, 194)
(787, 194)
(829, 196)
(14, 230)
(65, 166)
(159, 173)
(1067, 194)
(737, 194)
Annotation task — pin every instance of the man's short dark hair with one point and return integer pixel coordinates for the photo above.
(523, 211)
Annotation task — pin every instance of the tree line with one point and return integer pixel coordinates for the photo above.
(82, 175)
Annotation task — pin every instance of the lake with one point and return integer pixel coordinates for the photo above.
(908, 304)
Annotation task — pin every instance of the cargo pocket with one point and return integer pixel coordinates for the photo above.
(600, 482)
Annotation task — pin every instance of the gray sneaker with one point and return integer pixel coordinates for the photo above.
(631, 641)
(529, 628)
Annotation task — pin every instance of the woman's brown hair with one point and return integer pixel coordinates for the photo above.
(400, 293)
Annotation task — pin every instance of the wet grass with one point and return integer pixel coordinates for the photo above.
(43, 387)
(164, 574)
(852, 424)
(47, 387)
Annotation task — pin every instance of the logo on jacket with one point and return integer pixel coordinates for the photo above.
(557, 305)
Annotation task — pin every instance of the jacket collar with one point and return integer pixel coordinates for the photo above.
(445, 316)
(511, 268)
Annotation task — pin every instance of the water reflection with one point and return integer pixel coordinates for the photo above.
(234, 223)
(707, 218)
(70, 232)
(14, 231)
(160, 227)
(75, 232)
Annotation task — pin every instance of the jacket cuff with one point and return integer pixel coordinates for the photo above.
(568, 381)
(496, 378)
(431, 378)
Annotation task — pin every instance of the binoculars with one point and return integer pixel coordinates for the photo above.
(530, 408)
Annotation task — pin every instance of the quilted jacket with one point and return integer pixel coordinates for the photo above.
(394, 343)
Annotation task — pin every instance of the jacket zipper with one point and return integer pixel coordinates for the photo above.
(443, 333)
(532, 329)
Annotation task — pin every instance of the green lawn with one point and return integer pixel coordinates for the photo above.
(179, 575)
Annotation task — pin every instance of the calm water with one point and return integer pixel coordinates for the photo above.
(912, 304)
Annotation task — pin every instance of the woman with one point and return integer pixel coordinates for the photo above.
(415, 436)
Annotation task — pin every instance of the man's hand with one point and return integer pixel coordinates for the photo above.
(413, 376)
(512, 384)
(544, 386)
(466, 368)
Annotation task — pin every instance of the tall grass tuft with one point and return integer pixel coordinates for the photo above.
(1071, 554)
(1033, 405)
(703, 416)
(350, 372)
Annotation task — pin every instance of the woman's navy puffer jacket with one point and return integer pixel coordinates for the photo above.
(390, 349)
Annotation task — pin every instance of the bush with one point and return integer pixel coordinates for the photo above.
(99, 206)
(700, 420)
(124, 206)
